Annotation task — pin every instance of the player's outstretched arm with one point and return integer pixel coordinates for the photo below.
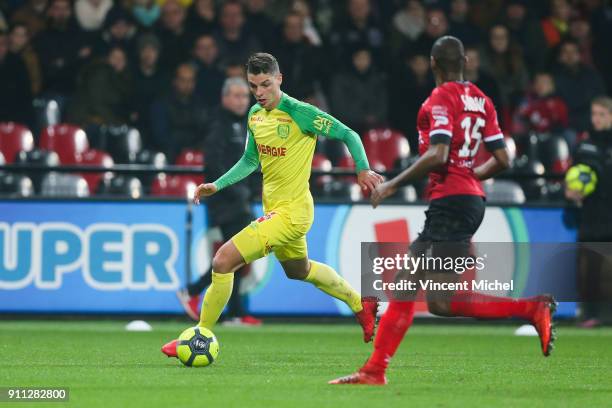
(434, 157)
(312, 120)
(499, 161)
(247, 164)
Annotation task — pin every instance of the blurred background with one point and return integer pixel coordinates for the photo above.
(133, 90)
(102, 81)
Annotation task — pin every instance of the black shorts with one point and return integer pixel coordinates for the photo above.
(452, 221)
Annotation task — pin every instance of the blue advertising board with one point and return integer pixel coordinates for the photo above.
(129, 256)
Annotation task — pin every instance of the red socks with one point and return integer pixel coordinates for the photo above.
(472, 304)
(391, 330)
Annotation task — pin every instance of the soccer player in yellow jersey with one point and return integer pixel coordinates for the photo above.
(281, 136)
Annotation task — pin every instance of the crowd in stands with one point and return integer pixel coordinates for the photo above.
(159, 65)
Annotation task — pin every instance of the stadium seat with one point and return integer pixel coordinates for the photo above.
(122, 142)
(554, 153)
(191, 158)
(124, 186)
(154, 159)
(64, 185)
(15, 185)
(343, 190)
(386, 146)
(173, 186)
(321, 162)
(14, 138)
(94, 157)
(534, 188)
(69, 141)
(504, 192)
(37, 157)
(47, 112)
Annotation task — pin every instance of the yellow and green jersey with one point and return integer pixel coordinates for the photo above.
(283, 141)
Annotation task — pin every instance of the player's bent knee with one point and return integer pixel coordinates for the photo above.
(296, 269)
(297, 275)
(227, 259)
(439, 307)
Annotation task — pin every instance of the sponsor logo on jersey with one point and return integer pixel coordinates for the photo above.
(473, 104)
(322, 124)
(282, 131)
(257, 118)
(440, 115)
(271, 150)
(284, 120)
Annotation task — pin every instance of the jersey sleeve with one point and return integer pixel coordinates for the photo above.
(492, 135)
(312, 120)
(248, 163)
(440, 116)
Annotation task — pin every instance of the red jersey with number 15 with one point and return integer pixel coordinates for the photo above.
(461, 115)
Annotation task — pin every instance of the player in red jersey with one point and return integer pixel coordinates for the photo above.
(452, 123)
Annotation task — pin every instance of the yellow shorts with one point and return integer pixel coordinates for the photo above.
(273, 232)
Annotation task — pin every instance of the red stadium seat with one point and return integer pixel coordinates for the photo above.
(173, 186)
(386, 146)
(191, 158)
(14, 138)
(68, 141)
(95, 157)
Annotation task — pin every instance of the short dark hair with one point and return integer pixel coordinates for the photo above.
(449, 54)
(262, 63)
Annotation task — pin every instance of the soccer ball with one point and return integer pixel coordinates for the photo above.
(197, 347)
(581, 178)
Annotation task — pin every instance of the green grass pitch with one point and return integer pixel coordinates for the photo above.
(288, 366)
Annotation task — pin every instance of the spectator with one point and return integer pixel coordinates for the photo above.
(359, 97)
(407, 25)
(119, 31)
(601, 23)
(436, 25)
(104, 92)
(527, 32)
(33, 14)
(230, 209)
(209, 78)
(235, 69)
(176, 40)
(359, 28)
(15, 91)
(503, 60)
(149, 82)
(542, 111)
(577, 84)
(297, 59)
(311, 33)
(411, 78)
(596, 219)
(19, 43)
(260, 24)
(234, 42)
(61, 49)
(480, 78)
(460, 25)
(556, 25)
(146, 12)
(580, 31)
(201, 17)
(178, 120)
(90, 14)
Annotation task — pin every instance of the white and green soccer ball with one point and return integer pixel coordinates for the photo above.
(581, 178)
(197, 347)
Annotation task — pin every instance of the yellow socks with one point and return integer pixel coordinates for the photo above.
(328, 280)
(215, 299)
